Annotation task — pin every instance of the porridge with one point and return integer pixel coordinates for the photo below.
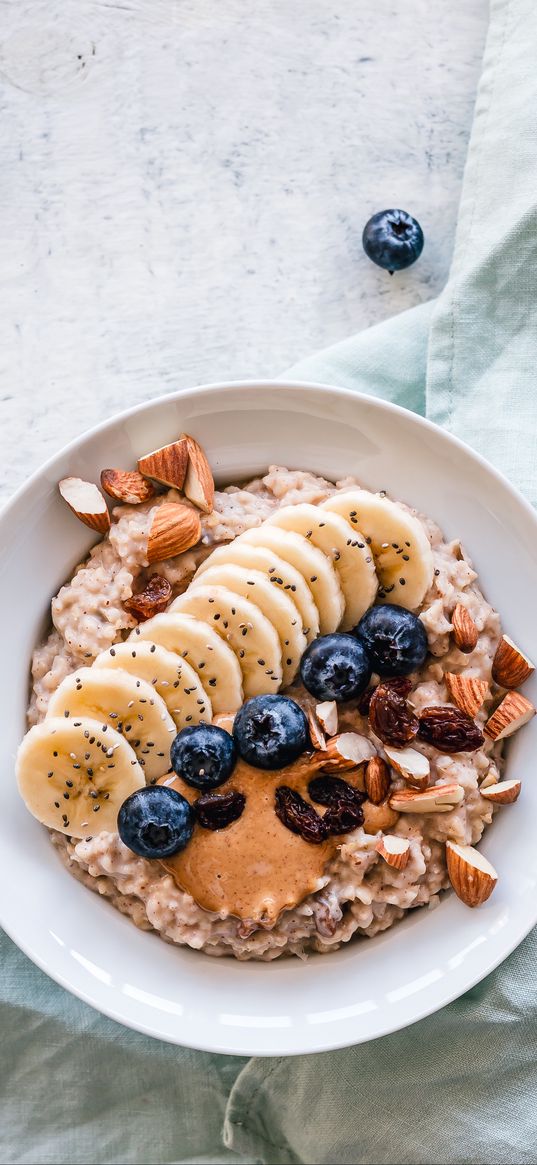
(268, 718)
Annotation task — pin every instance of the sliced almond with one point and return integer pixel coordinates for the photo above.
(395, 850)
(510, 667)
(349, 750)
(167, 465)
(471, 875)
(467, 692)
(87, 503)
(465, 632)
(199, 483)
(127, 486)
(327, 714)
(174, 529)
(318, 738)
(410, 764)
(437, 799)
(377, 780)
(225, 720)
(378, 817)
(514, 711)
(503, 793)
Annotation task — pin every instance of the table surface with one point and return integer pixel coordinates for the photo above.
(185, 183)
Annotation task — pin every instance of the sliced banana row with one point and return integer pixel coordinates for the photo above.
(239, 630)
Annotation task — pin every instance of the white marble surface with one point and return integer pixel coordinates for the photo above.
(184, 184)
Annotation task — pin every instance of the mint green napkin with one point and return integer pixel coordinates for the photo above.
(460, 1086)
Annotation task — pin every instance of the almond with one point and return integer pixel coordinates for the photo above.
(318, 738)
(174, 529)
(491, 778)
(378, 817)
(510, 667)
(513, 712)
(471, 875)
(349, 750)
(503, 793)
(465, 632)
(167, 465)
(410, 764)
(327, 714)
(225, 720)
(199, 483)
(467, 692)
(377, 780)
(127, 486)
(87, 503)
(394, 850)
(437, 799)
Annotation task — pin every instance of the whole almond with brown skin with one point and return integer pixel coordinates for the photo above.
(449, 730)
(199, 483)
(151, 601)
(377, 780)
(510, 667)
(465, 632)
(167, 465)
(174, 529)
(127, 486)
(467, 692)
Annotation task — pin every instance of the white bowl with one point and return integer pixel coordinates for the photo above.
(368, 988)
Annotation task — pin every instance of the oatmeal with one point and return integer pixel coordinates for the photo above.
(374, 813)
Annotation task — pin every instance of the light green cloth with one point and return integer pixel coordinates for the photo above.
(460, 1086)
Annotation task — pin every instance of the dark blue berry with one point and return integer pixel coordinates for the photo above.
(395, 639)
(155, 822)
(204, 756)
(271, 731)
(336, 667)
(393, 239)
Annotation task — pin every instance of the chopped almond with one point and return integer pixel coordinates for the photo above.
(86, 502)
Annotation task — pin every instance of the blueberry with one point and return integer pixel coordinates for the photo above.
(395, 639)
(271, 731)
(155, 822)
(393, 239)
(336, 667)
(204, 756)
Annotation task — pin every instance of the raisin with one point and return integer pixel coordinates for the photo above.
(216, 810)
(343, 817)
(332, 791)
(153, 599)
(449, 730)
(295, 813)
(400, 684)
(389, 715)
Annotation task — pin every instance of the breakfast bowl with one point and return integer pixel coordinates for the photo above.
(367, 988)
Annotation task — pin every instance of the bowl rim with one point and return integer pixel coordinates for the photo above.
(247, 385)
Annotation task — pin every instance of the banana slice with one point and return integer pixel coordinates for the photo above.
(272, 601)
(73, 775)
(129, 705)
(279, 572)
(173, 678)
(198, 645)
(350, 556)
(313, 565)
(245, 628)
(401, 550)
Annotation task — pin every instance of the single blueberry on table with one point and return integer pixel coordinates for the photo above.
(271, 731)
(336, 667)
(393, 240)
(204, 756)
(155, 822)
(394, 638)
